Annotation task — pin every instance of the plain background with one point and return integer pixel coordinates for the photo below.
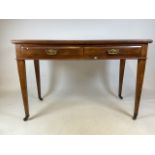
(78, 95)
(78, 9)
(75, 74)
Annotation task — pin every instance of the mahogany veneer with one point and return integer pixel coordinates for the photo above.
(81, 49)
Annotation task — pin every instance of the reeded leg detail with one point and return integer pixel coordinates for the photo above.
(139, 84)
(23, 84)
(121, 75)
(37, 72)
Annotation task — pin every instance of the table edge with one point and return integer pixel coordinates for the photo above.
(76, 42)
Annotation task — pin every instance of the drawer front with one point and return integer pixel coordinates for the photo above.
(112, 52)
(50, 52)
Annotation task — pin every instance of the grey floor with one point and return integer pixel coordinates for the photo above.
(73, 113)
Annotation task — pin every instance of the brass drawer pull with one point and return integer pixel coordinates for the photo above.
(51, 52)
(113, 51)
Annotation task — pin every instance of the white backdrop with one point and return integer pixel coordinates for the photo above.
(75, 75)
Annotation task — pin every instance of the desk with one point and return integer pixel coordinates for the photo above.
(81, 50)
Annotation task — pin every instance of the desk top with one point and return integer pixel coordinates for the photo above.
(84, 42)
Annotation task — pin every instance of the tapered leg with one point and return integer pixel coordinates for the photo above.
(23, 84)
(139, 83)
(37, 71)
(121, 75)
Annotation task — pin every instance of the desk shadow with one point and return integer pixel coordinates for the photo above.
(90, 70)
(111, 105)
(104, 74)
(52, 108)
(59, 105)
(145, 116)
(119, 109)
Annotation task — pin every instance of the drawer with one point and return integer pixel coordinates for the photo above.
(112, 52)
(50, 52)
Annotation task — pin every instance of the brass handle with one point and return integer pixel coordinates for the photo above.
(113, 51)
(51, 52)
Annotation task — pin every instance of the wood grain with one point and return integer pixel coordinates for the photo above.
(121, 76)
(37, 72)
(23, 84)
(84, 42)
(81, 50)
(139, 84)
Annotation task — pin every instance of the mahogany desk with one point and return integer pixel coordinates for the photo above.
(78, 50)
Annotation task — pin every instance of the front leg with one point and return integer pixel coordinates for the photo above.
(23, 84)
(139, 83)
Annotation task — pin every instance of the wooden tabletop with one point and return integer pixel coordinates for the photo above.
(74, 42)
